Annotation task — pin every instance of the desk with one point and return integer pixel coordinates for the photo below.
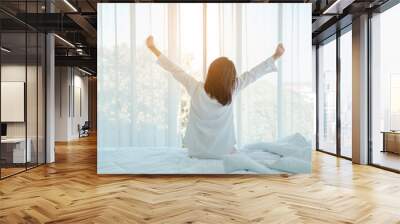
(15, 148)
(391, 141)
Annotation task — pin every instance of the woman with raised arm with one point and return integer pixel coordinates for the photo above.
(210, 133)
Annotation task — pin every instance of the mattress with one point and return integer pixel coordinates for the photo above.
(170, 160)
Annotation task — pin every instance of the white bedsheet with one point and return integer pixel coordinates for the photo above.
(168, 160)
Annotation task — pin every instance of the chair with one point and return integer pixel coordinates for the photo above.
(84, 130)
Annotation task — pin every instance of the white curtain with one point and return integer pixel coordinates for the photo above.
(258, 103)
(139, 105)
(134, 106)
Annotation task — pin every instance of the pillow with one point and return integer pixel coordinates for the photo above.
(292, 165)
(241, 162)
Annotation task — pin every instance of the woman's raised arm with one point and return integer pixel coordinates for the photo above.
(260, 70)
(179, 74)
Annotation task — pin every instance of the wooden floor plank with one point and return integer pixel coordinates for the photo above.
(70, 191)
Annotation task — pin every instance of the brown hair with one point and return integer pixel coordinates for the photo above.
(221, 79)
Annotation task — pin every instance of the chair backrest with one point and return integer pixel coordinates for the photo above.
(86, 124)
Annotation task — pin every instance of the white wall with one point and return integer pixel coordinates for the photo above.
(79, 117)
(12, 73)
(70, 83)
(33, 126)
(62, 81)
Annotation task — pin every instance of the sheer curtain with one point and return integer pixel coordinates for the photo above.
(279, 104)
(190, 50)
(296, 93)
(134, 107)
(139, 105)
(258, 103)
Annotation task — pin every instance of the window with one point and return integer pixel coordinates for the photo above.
(394, 101)
(327, 97)
(385, 114)
(346, 94)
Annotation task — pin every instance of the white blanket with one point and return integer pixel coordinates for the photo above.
(295, 152)
(168, 160)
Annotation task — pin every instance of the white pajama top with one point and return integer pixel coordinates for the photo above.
(211, 133)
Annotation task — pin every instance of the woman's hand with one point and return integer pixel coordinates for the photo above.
(278, 51)
(150, 44)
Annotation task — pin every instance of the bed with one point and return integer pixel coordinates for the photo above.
(167, 160)
(289, 155)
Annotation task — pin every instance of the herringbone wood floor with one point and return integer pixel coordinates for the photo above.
(70, 191)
